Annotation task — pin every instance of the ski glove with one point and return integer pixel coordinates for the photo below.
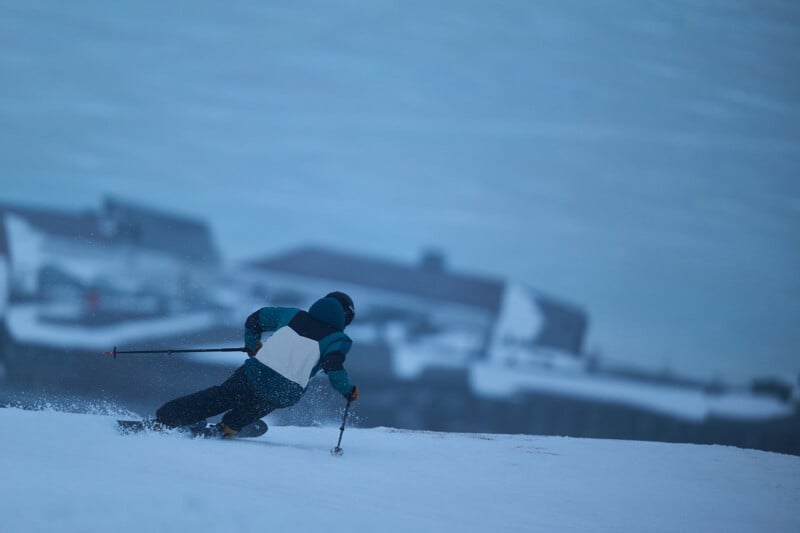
(352, 395)
(252, 351)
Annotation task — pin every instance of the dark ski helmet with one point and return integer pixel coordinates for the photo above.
(346, 303)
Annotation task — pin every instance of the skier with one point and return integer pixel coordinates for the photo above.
(277, 371)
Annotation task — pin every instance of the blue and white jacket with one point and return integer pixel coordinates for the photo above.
(303, 343)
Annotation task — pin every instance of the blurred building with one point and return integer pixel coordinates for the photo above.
(430, 317)
(73, 283)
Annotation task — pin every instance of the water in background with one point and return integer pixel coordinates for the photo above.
(640, 159)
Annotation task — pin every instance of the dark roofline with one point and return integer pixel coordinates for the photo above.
(80, 224)
(112, 204)
(415, 280)
(91, 225)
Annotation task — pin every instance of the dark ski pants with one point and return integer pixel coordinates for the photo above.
(236, 396)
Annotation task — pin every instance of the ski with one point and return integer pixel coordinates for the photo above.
(253, 430)
(201, 429)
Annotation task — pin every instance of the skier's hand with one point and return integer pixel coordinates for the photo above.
(255, 350)
(352, 395)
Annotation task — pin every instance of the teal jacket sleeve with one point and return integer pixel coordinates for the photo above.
(333, 356)
(265, 319)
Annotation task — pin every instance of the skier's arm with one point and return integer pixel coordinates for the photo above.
(333, 366)
(265, 319)
(337, 375)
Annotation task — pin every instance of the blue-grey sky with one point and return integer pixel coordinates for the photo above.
(639, 158)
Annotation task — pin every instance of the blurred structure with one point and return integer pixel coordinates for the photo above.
(435, 349)
(430, 317)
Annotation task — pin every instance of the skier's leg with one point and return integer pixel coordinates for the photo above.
(194, 408)
(248, 408)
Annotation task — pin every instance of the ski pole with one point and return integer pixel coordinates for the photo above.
(338, 450)
(114, 352)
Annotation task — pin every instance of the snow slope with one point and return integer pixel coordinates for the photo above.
(73, 472)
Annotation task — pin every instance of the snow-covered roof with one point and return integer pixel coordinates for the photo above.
(25, 326)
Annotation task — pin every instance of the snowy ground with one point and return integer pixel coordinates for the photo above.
(72, 472)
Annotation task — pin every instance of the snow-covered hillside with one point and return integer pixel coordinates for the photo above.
(73, 472)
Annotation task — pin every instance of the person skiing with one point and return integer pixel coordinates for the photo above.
(277, 371)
